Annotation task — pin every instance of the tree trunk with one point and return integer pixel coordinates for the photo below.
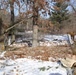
(13, 38)
(9, 40)
(11, 32)
(35, 25)
(35, 35)
(2, 47)
(70, 41)
(5, 41)
(73, 48)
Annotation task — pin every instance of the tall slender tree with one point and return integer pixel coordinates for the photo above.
(11, 31)
(35, 6)
(1, 25)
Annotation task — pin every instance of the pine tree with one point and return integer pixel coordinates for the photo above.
(59, 13)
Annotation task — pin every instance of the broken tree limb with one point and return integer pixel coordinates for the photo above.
(14, 26)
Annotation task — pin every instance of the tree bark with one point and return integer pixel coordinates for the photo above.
(11, 32)
(35, 25)
(35, 36)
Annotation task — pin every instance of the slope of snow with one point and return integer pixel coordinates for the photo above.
(25, 66)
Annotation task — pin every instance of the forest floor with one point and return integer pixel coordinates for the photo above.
(37, 61)
(41, 53)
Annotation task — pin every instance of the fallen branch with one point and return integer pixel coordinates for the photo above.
(17, 23)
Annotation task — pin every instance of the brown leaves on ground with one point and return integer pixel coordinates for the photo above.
(41, 53)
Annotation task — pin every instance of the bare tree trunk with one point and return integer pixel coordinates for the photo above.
(13, 38)
(35, 35)
(5, 41)
(11, 33)
(27, 26)
(1, 25)
(2, 47)
(9, 40)
(35, 25)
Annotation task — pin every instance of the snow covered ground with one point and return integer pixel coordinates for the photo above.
(55, 40)
(28, 66)
(49, 40)
(25, 66)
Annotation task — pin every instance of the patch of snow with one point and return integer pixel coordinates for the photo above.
(53, 43)
(55, 40)
(17, 45)
(58, 37)
(29, 32)
(25, 66)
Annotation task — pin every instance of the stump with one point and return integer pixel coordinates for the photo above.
(74, 68)
(2, 47)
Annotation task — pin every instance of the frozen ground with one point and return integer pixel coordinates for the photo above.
(28, 66)
(49, 40)
(61, 37)
(55, 40)
(25, 66)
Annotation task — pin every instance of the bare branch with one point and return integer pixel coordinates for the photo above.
(17, 23)
(73, 7)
